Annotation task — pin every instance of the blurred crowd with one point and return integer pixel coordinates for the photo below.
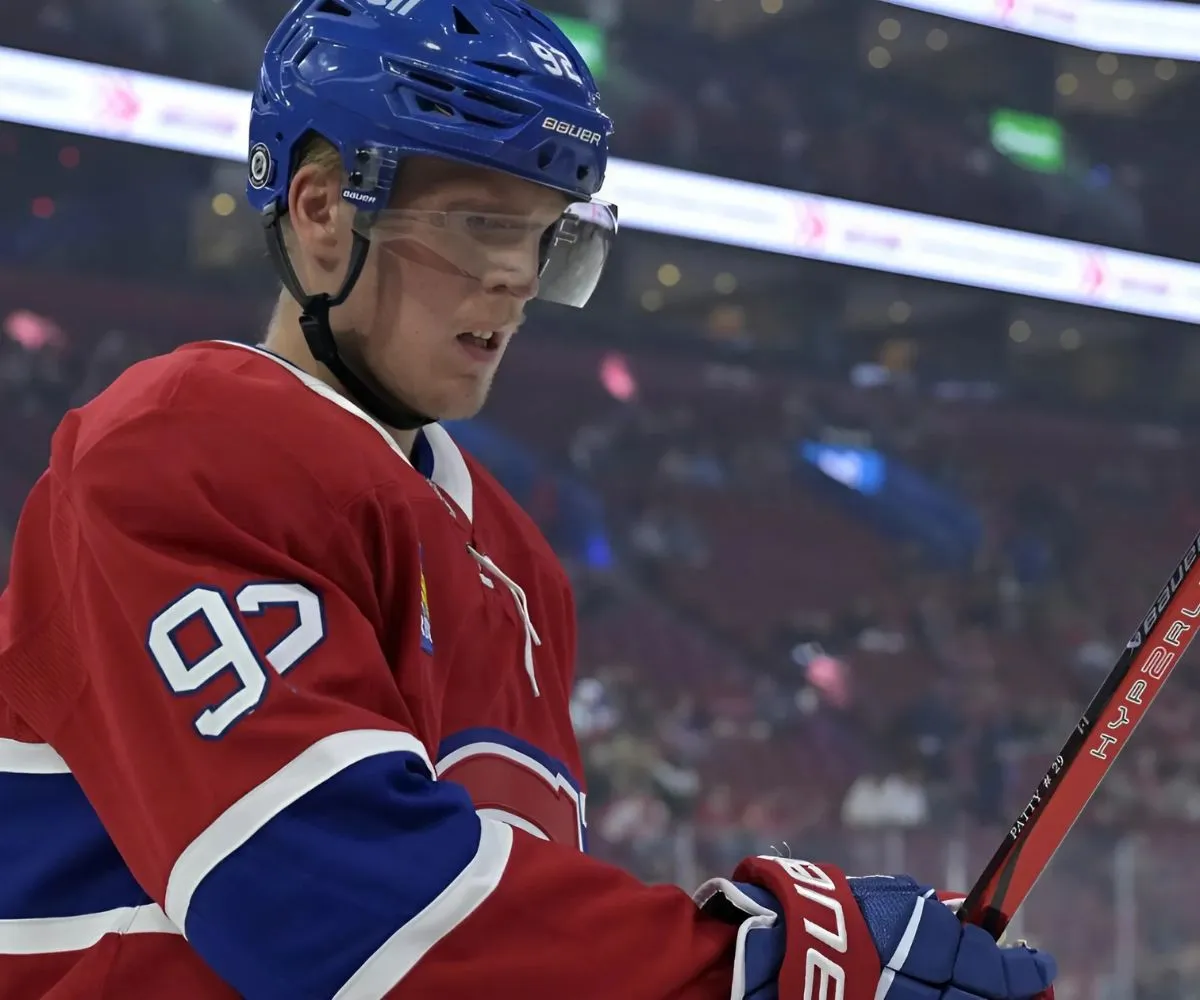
(1044, 605)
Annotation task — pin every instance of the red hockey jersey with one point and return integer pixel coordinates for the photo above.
(284, 717)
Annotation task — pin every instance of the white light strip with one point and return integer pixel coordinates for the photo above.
(214, 121)
(88, 99)
(1130, 27)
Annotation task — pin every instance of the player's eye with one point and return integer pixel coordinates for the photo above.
(478, 223)
(495, 230)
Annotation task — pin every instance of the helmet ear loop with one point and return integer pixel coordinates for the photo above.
(318, 331)
(315, 309)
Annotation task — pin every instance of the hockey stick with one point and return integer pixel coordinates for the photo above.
(1149, 657)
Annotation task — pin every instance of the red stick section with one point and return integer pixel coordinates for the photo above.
(1150, 656)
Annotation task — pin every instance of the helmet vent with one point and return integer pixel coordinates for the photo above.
(494, 101)
(434, 107)
(430, 80)
(262, 96)
(500, 68)
(333, 7)
(462, 24)
(429, 93)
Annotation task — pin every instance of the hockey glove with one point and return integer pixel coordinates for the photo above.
(808, 931)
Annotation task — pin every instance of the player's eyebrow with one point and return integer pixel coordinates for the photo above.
(501, 201)
(496, 206)
(478, 203)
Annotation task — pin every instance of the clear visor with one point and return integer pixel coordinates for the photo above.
(562, 260)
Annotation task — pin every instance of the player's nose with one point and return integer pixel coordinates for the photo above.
(514, 274)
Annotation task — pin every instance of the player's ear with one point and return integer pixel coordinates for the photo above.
(316, 212)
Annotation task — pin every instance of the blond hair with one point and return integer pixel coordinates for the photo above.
(315, 151)
(318, 151)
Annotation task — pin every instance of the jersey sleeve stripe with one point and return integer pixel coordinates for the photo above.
(453, 748)
(378, 860)
(63, 934)
(401, 952)
(244, 818)
(513, 820)
(56, 858)
(471, 746)
(30, 758)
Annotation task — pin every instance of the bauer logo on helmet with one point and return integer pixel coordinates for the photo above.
(585, 135)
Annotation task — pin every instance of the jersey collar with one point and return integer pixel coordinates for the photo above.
(442, 462)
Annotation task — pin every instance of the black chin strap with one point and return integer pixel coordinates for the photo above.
(360, 384)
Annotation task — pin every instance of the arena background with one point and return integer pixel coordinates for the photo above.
(864, 469)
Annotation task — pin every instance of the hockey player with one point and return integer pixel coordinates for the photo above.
(285, 675)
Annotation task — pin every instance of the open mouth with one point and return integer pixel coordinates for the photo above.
(488, 341)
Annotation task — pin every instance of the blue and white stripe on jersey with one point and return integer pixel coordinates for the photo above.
(338, 873)
(63, 885)
(538, 809)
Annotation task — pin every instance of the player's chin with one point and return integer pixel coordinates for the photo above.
(462, 400)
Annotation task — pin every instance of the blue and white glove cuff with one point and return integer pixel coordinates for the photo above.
(730, 902)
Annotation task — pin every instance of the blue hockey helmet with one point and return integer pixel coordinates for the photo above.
(490, 83)
(493, 83)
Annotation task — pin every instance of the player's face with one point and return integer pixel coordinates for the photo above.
(437, 305)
